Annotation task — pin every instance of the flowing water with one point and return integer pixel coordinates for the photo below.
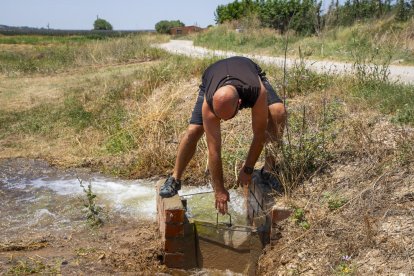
(39, 200)
(36, 196)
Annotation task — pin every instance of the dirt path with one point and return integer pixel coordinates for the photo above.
(403, 74)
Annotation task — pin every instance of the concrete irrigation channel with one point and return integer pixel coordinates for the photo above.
(403, 74)
(195, 238)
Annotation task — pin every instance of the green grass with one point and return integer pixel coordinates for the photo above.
(396, 100)
(32, 266)
(40, 59)
(100, 103)
(38, 56)
(40, 119)
(355, 44)
(299, 218)
(334, 44)
(46, 39)
(223, 37)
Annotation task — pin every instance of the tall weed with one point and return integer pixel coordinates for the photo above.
(333, 43)
(371, 64)
(302, 80)
(373, 85)
(305, 151)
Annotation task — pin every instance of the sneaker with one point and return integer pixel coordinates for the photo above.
(170, 187)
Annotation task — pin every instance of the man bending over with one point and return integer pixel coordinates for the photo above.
(229, 85)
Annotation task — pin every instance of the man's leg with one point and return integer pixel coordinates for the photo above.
(186, 149)
(274, 133)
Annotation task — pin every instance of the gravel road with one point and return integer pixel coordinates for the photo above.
(403, 74)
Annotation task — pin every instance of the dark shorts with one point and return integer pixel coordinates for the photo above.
(197, 118)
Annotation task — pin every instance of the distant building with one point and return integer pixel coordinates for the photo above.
(185, 30)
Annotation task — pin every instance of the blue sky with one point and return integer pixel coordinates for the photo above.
(122, 14)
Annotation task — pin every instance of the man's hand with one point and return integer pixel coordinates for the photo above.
(244, 178)
(222, 197)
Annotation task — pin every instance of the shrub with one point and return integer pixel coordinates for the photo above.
(164, 26)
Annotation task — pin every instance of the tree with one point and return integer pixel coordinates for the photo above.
(164, 26)
(102, 24)
(379, 8)
(402, 11)
(235, 10)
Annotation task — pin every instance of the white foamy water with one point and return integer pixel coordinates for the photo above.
(133, 197)
(136, 198)
(43, 193)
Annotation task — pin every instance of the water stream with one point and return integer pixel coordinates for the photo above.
(36, 196)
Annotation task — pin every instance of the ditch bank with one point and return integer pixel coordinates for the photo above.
(44, 214)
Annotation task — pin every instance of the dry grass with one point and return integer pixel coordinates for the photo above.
(59, 143)
(102, 117)
(359, 206)
(373, 227)
(353, 166)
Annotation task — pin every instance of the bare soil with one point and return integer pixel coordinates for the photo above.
(120, 246)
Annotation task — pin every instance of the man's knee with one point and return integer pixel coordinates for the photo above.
(278, 112)
(194, 132)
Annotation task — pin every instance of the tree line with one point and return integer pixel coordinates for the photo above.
(306, 16)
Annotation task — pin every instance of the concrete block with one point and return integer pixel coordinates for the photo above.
(261, 192)
(260, 206)
(181, 244)
(172, 203)
(278, 214)
(252, 210)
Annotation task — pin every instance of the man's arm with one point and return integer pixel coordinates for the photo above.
(259, 124)
(212, 129)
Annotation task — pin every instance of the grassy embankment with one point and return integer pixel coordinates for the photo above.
(96, 102)
(392, 41)
(347, 159)
(120, 106)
